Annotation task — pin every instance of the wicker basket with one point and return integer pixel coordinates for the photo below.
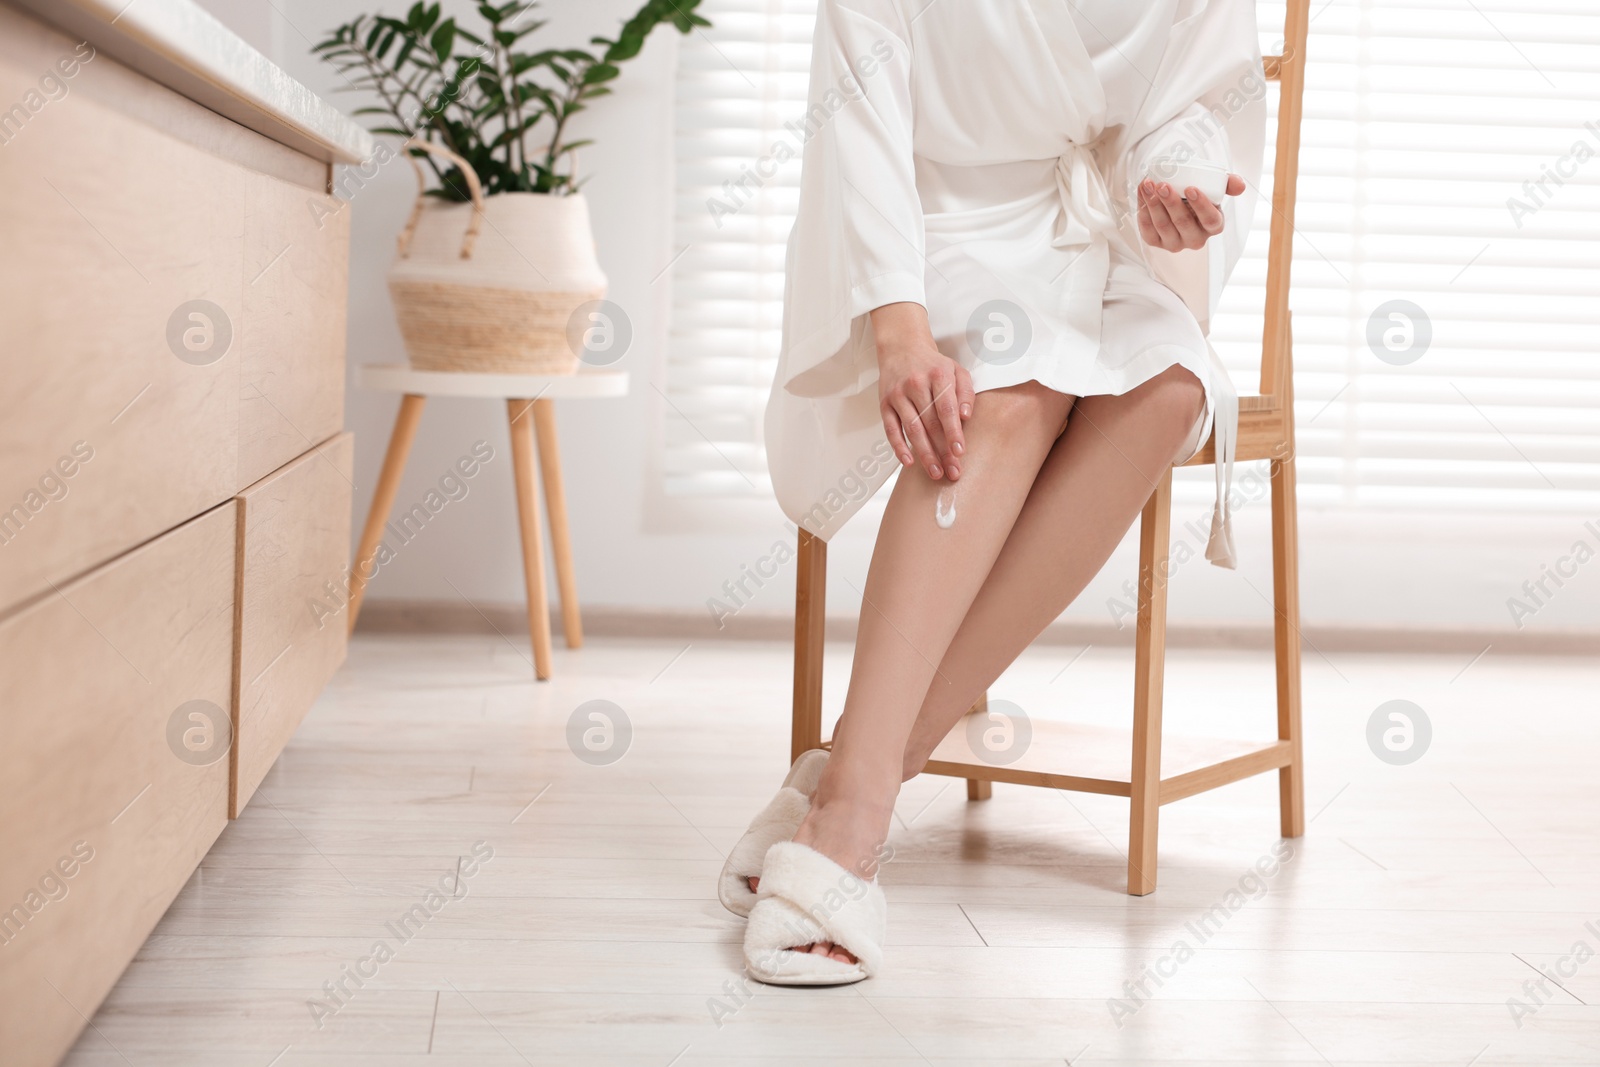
(490, 286)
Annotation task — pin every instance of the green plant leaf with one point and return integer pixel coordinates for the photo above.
(625, 47)
(487, 110)
(443, 40)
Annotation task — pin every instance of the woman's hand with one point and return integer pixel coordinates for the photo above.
(923, 395)
(1167, 220)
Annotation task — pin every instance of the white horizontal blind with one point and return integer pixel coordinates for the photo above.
(738, 84)
(1422, 118)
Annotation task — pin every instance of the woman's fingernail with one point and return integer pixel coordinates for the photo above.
(934, 471)
(966, 411)
(955, 472)
(1193, 193)
(958, 448)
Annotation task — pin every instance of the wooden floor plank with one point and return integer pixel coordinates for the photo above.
(1423, 898)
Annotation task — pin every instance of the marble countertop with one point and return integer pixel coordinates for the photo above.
(185, 48)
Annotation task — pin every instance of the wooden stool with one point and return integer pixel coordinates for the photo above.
(530, 406)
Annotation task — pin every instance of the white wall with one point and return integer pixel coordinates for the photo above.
(1451, 573)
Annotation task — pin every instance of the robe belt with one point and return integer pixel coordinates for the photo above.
(1087, 223)
(1089, 217)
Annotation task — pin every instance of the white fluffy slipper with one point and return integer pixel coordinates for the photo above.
(776, 822)
(805, 897)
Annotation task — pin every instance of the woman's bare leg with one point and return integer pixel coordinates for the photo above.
(1086, 496)
(921, 582)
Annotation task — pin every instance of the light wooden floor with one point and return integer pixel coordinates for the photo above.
(1423, 897)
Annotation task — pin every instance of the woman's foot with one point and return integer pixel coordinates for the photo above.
(823, 948)
(850, 829)
(777, 822)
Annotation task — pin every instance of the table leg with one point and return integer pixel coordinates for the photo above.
(527, 479)
(394, 465)
(555, 505)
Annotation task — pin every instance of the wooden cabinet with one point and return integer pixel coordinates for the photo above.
(174, 483)
(294, 528)
(114, 774)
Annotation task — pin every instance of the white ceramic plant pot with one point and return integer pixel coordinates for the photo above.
(492, 285)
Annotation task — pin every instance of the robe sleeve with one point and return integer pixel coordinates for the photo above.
(1208, 104)
(858, 241)
(1192, 137)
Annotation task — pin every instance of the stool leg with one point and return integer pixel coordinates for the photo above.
(555, 506)
(394, 465)
(980, 788)
(527, 479)
(1286, 645)
(810, 632)
(1150, 650)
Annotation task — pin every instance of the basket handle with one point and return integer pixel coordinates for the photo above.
(473, 186)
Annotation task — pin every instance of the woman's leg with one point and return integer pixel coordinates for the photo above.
(922, 580)
(1091, 487)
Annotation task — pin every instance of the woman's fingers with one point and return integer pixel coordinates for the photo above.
(1207, 214)
(917, 435)
(895, 432)
(1190, 234)
(1167, 235)
(949, 414)
(965, 394)
(1168, 220)
(1161, 225)
(1147, 224)
(926, 396)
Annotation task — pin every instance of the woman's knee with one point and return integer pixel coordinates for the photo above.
(1180, 393)
(1029, 408)
(1174, 400)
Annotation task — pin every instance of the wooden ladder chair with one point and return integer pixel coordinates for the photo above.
(1092, 760)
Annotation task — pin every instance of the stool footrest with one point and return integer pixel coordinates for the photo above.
(1095, 759)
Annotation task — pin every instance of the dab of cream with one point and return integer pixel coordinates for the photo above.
(944, 508)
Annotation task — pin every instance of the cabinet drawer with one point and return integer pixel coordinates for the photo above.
(112, 230)
(113, 772)
(293, 585)
(171, 310)
(291, 340)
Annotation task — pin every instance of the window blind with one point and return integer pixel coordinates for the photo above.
(1445, 281)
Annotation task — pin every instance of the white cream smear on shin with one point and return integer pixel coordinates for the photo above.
(944, 508)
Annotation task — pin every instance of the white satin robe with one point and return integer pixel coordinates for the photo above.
(962, 151)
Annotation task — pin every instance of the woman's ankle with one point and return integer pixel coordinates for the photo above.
(916, 759)
(850, 809)
(871, 786)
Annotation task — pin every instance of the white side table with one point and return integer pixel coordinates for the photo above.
(530, 405)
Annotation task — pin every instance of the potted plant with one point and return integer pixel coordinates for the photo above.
(498, 256)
